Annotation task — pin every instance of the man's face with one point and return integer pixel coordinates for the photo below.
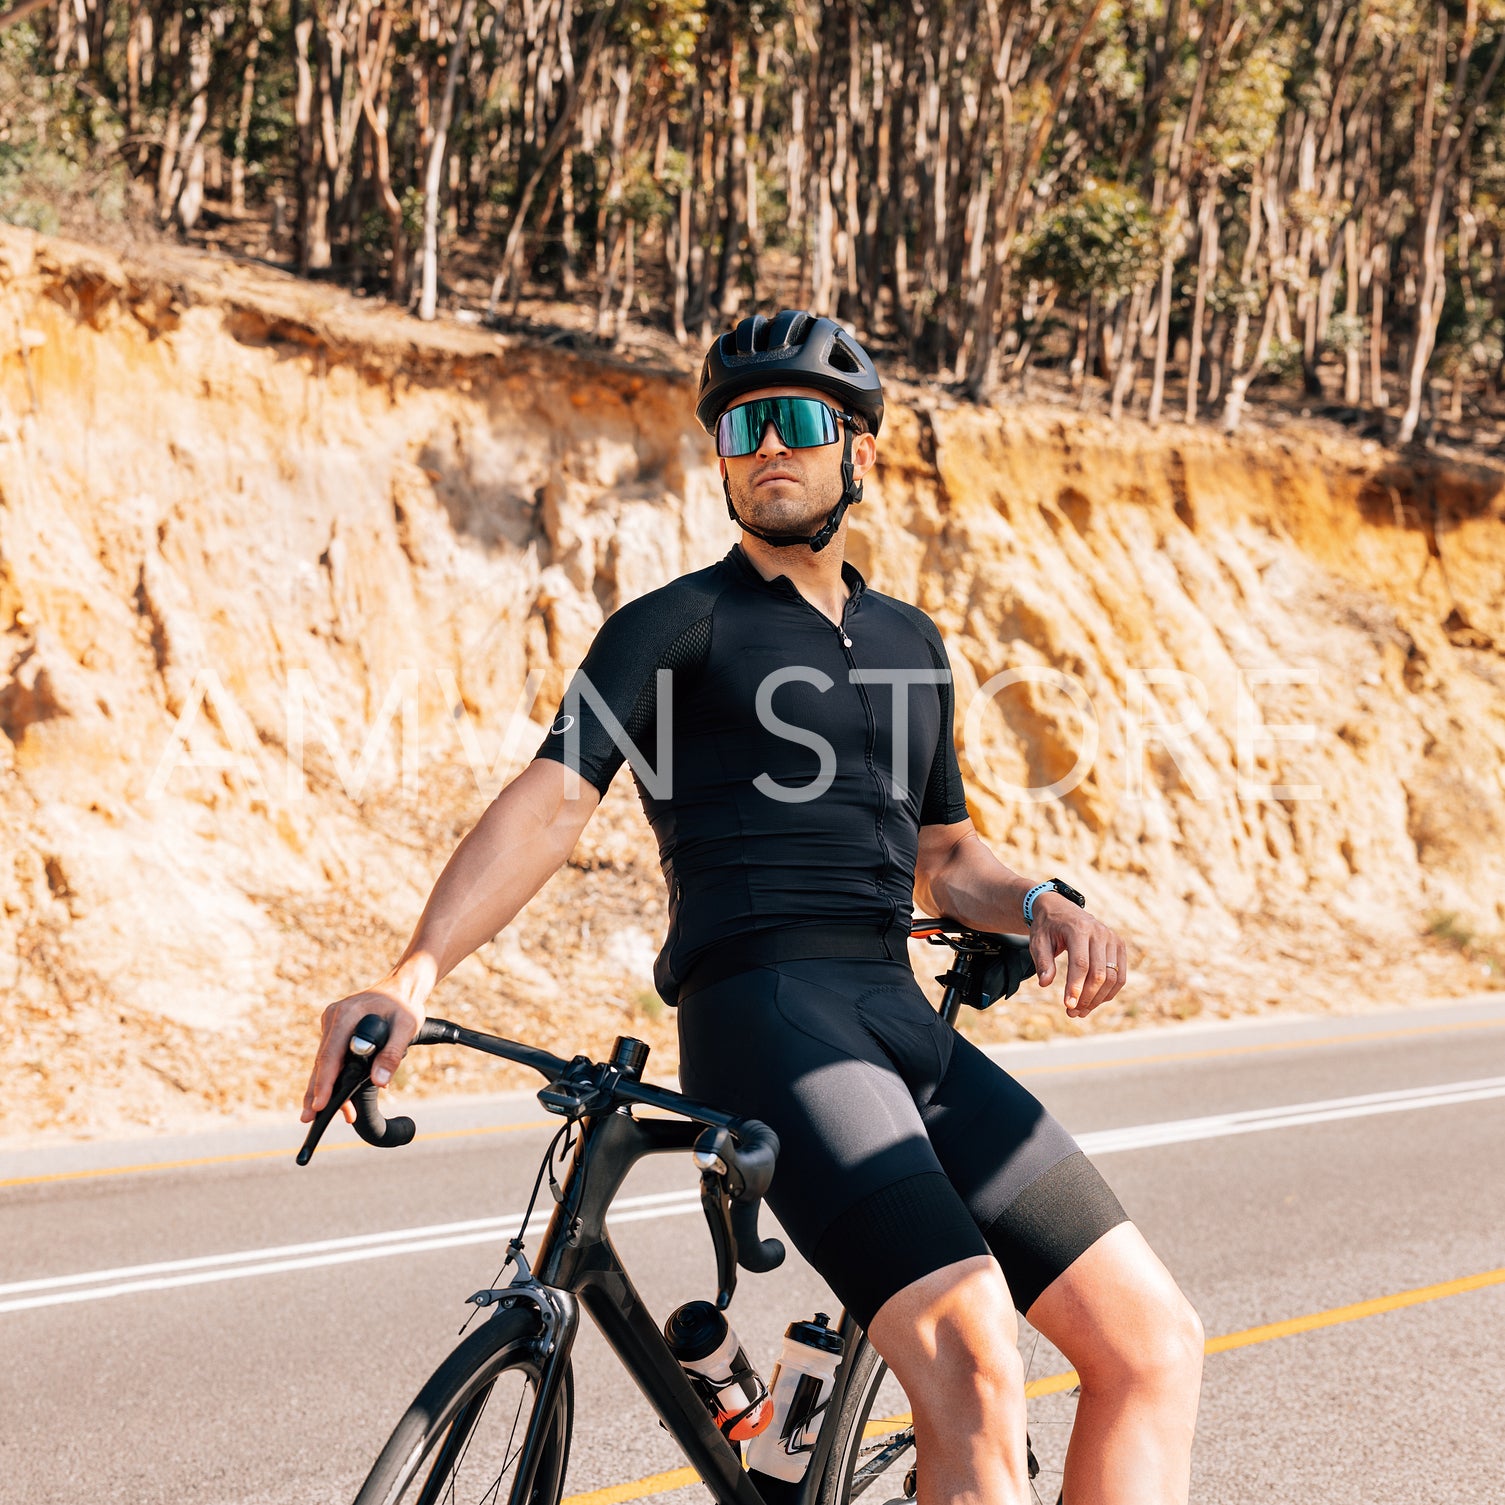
(784, 490)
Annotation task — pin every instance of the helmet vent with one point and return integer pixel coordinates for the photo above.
(843, 359)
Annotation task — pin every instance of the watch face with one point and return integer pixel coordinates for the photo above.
(1066, 891)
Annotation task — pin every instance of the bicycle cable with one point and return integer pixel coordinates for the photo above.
(515, 1243)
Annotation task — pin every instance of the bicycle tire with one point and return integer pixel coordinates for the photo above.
(432, 1445)
(872, 1458)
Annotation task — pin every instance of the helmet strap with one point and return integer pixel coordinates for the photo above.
(851, 494)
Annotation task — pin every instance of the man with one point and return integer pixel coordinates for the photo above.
(790, 731)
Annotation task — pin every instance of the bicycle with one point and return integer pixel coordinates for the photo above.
(495, 1419)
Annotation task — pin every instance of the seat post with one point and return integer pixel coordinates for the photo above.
(956, 977)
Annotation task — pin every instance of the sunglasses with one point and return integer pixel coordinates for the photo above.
(800, 422)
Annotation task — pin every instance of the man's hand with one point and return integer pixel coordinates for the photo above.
(338, 1024)
(1097, 960)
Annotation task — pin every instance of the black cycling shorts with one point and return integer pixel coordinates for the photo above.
(903, 1148)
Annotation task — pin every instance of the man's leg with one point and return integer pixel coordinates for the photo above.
(1136, 1343)
(951, 1339)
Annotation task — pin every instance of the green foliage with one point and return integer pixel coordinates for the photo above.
(1470, 332)
(644, 198)
(1284, 358)
(1245, 108)
(58, 147)
(1345, 332)
(1104, 240)
(664, 34)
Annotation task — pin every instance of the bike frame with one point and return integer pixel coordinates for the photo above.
(578, 1265)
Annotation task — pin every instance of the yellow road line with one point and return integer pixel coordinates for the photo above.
(282, 1154)
(1053, 1384)
(676, 1478)
(1245, 1050)
(1315, 1320)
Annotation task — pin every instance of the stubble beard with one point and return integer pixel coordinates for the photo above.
(803, 512)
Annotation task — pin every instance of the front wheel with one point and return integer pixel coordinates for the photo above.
(873, 1457)
(460, 1439)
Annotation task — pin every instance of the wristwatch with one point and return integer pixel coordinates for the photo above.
(1062, 887)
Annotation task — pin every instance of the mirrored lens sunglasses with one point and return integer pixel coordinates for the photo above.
(801, 422)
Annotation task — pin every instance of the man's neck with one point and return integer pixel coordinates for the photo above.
(817, 577)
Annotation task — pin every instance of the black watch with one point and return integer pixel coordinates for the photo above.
(1061, 886)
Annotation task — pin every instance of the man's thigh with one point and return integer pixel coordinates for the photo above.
(857, 1187)
(1039, 1201)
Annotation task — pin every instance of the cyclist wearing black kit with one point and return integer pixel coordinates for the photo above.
(791, 734)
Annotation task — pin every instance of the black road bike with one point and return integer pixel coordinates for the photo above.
(494, 1421)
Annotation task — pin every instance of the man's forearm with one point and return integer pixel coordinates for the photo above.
(973, 886)
(523, 838)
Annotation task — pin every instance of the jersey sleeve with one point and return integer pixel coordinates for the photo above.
(945, 800)
(609, 712)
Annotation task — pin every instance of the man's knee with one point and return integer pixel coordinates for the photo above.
(1120, 1318)
(952, 1341)
(1160, 1348)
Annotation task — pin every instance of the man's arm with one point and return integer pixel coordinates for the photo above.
(522, 839)
(956, 876)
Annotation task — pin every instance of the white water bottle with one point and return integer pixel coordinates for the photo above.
(802, 1383)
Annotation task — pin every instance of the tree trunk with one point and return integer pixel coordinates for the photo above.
(428, 296)
(1354, 349)
(1238, 387)
(311, 226)
(1162, 336)
(1207, 269)
(605, 18)
(243, 113)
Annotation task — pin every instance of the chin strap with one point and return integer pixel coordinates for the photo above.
(851, 494)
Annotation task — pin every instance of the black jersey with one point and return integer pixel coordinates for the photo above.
(786, 763)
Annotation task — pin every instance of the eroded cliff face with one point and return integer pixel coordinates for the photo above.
(289, 587)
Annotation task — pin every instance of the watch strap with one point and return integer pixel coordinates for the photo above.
(1056, 885)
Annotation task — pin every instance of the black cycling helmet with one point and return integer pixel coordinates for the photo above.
(795, 349)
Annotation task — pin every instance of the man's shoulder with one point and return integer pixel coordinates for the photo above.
(657, 618)
(916, 618)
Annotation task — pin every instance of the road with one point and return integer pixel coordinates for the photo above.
(1285, 1169)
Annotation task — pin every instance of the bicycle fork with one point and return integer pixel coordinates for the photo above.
(559, 1314)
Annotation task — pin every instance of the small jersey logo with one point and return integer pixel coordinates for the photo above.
(562, 725)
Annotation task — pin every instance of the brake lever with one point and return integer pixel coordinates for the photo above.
(354, 1085)
(718, 1216)
(717, 1154)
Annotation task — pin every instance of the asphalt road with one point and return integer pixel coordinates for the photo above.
(1284, 1169)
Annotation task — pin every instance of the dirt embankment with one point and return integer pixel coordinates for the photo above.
(289, 587)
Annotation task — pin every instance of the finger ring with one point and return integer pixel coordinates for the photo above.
(1111, 967)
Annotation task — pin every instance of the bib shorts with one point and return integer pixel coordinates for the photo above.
(903, 1148)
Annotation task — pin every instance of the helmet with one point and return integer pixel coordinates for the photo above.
(794, 349)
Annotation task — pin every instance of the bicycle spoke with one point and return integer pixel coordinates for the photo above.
(478, 1471)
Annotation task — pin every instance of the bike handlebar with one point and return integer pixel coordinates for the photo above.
(747, 1148)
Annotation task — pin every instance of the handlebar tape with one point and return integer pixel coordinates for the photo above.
(753, 1158)
(354, 1085)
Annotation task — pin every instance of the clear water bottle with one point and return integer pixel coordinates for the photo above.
(710, 1353)
(802, 1383)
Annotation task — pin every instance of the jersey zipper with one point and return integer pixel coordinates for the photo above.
(872, 740)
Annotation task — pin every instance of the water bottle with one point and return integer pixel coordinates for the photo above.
(710, 1353)
(802, 1383)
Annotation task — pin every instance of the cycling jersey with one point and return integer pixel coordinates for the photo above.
(798, 758)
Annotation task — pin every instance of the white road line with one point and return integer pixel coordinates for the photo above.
(470, 1231)
(97, 1285)
(1218, 1126)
